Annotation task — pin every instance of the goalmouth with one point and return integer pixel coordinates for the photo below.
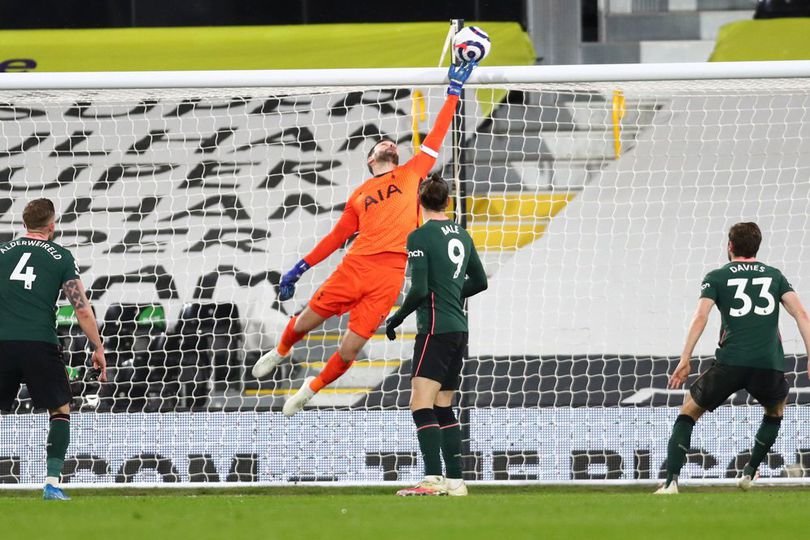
(598, 197)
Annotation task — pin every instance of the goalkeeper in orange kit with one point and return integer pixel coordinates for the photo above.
(383, 211)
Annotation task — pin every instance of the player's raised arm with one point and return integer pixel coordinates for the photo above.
(696, 327)
(794, 306)
(75, 293)
(345, 227)
(418, 261)
(476, 280)
(424, 160)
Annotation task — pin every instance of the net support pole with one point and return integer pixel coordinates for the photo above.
(458, 125)
(460, 217)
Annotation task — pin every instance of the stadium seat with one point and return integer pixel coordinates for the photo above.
(71, 337)
(163, 380)
(128, 331)
(75, 353)
(210, 341)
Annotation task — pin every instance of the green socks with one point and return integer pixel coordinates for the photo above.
(451, 441)
(58, 441)
(430, 440)
(439, 436)
(763, 440)
(678, 445)
(682, 435)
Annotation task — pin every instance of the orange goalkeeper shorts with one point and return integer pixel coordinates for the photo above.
(367, 286)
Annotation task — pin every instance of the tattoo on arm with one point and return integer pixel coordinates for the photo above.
(74, 294)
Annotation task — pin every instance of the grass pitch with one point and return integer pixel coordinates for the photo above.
(492, 513)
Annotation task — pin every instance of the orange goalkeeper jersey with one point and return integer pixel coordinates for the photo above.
(385, 208)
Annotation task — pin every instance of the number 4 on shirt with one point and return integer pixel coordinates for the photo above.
(26, 277)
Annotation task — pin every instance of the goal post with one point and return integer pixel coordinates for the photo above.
(185, 195)
(405, 77)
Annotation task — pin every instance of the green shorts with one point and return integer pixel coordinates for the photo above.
(39, 365)
(714, 386)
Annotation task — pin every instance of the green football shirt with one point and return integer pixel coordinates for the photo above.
(748, 295)
(31, 275)
(445, 253)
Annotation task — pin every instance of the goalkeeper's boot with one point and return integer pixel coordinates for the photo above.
(668, 489)
(431, 486)
(746, 481)
(299, 399)
(267, 363)
(455, 487)
(53, 493)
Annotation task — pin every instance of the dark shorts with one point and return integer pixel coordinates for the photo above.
(39, 365)
(439, 357)
(768, 386)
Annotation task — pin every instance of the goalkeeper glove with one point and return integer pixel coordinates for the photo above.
(458, 75)
(286, 287)
(391, 327)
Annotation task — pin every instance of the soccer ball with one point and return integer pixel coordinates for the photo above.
(471, 43)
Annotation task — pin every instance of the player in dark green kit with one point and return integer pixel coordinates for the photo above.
(445, 269)
(33, 269)
(749, 356)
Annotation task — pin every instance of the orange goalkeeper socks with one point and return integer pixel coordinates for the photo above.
(289, 338)
(333, 369)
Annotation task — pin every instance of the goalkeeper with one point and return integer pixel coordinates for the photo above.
(749, 356)
(383, 210)
(445, 269)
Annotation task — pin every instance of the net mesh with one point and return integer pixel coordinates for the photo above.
(597, 209)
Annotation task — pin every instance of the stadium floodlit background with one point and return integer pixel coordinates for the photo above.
(597, 209)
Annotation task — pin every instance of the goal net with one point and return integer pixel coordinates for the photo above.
(597, 207)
